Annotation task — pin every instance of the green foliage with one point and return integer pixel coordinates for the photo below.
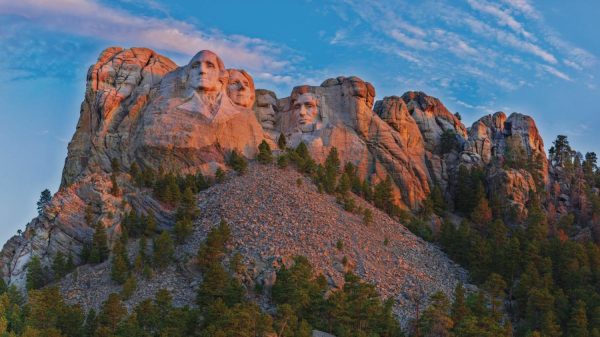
(99, 250)
(45, 198)
(162, 250)
(339, 245)
(183, 229)
(214, 247)
(367, 217)
(264, 153)
(62, 265)
(115, 190)
(129, 287)
(469, 189)
(382, 196)
(282, 142)
(448, 141)
(220, 175)
(120, 263)
(35, 274)
(237, 162)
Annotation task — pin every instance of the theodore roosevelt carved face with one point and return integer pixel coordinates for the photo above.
(240, 88)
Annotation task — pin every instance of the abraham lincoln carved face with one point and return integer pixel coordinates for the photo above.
(207, 72)
(305, 109)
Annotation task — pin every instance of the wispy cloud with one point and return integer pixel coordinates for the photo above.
(504, 18)
(89, 18)
(553, 71)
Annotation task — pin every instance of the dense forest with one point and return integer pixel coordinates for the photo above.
(534, 279)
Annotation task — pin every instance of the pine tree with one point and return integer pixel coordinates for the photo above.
(120, 263)
(187, 207)
(237, 162)
(35, 274)
(264, 153)
(495, 286)
(114, 190)
(99, 251)
(282, 142)
(163, 250)
(220, 175)
(382, 196)
(44, 201)
(459, 308)
(578, 324)
(112, 313)
(129, 287)
(183, 229)
(436, 322)
(482, 214)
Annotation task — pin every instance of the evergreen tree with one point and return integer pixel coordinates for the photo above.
(282, 142)
(382, 196)
(220, 175)
(35, 273)
(120, 263)
(114, 190)
(495, 286)
(459, 308)
(578, 324)
(436, 321)
(187, 207)
(45, 198)
(163, 250)
(99, 250)
(183, 229)
(237, 162)
(213, 249)
(112, 313)
(482, 214)
(264, 153)
(129, 287)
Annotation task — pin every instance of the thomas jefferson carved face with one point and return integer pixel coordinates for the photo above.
(306, 111)
(240, 88)
(206, 72)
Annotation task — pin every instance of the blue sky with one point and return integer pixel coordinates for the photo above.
(478, 56)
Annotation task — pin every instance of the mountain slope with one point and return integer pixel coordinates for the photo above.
(272, 219)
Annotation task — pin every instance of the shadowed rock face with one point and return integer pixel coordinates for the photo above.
(117, 89)
(140, 107)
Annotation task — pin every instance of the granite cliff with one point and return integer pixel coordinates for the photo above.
(140, 108)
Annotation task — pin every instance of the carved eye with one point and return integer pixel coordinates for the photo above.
(210, 64)
(195, 65)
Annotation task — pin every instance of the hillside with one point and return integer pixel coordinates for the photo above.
(272, 219)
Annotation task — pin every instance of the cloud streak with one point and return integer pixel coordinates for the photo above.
(91, 19)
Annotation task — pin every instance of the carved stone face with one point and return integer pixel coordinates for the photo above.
(306, 111)
(265, 110)
(205, 72)
(240, 89)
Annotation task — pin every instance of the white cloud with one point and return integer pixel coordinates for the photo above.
(556, 72)
(503, 17)
(410, 42)
(524, 7)
(92, 19)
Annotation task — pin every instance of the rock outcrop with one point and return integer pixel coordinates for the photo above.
(141, 108)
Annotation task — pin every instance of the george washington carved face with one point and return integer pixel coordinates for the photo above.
(305, 109)
(240, 88)
(207, 72)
